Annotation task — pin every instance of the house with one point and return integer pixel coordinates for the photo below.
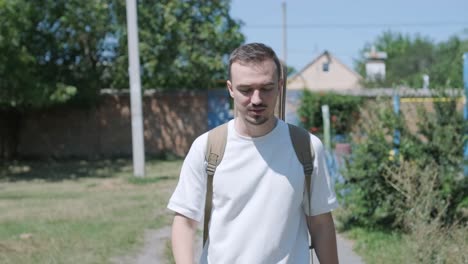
(325, 73)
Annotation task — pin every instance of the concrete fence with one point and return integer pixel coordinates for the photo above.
(172, 120)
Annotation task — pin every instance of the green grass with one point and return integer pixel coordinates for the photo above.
(77, 211)
(376, 246)
(384, 247)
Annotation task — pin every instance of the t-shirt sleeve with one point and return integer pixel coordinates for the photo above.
(323, 194)
(189, 196)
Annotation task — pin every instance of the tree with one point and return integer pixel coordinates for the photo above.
(183, 44)
(409, 58)
(291, 71)
(447, 71)
(51, 51)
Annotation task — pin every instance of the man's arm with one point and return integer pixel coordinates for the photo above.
(183, 237)
(322, 233)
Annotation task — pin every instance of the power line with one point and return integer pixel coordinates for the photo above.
(363, 25)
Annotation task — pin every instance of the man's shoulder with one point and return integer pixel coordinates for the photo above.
(201, 141)
(226, 124)
(314, 140)
(316, 143)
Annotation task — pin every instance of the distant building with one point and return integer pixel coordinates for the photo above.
(375, 64)
(325, 73)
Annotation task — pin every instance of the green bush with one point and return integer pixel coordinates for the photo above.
(371, 199)
(367, 196)
(421, 212)
(344, 111)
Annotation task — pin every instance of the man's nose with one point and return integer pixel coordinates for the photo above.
(256, 97)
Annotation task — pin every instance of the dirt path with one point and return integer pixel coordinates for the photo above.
(154, 250)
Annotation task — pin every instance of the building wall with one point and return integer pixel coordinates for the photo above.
(172, 121)
(314, 78)
(375, 70)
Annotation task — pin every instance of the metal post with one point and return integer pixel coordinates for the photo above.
(281, 102)
(465, 113)
(326, 126)
(285, 52)
(138, 147)
(396, 135)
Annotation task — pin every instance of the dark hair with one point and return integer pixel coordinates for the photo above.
(253, 53)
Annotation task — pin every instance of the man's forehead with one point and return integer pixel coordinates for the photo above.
(249, 83)
(266, 67)
(254, 64)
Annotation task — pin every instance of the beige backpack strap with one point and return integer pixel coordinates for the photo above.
(305, 153)
(217, 139)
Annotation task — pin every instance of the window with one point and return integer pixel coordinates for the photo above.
(325, 66)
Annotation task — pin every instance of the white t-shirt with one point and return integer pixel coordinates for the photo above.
(258, 196)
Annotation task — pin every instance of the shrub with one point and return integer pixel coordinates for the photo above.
(370, 198)
(344, 111)
(421, 211)
(367, 196)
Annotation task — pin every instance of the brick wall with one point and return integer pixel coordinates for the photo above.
(172, 120)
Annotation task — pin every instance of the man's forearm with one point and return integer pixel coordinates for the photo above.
(183, 236)
(323, 235)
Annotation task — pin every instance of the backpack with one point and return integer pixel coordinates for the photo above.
(216, 145)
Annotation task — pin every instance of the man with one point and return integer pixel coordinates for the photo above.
(258, 188)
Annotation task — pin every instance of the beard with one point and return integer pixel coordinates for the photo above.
(257, 119)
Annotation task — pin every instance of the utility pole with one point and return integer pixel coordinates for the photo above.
(138, 147)
(285, 56)
(281, 102)
(465, 114)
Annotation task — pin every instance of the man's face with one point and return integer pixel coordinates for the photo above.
(254, 88)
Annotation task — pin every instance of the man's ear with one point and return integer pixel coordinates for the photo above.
(229, 87)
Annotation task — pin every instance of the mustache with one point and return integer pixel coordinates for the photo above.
(255, 107)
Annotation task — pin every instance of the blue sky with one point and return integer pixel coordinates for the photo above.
(343, 27)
